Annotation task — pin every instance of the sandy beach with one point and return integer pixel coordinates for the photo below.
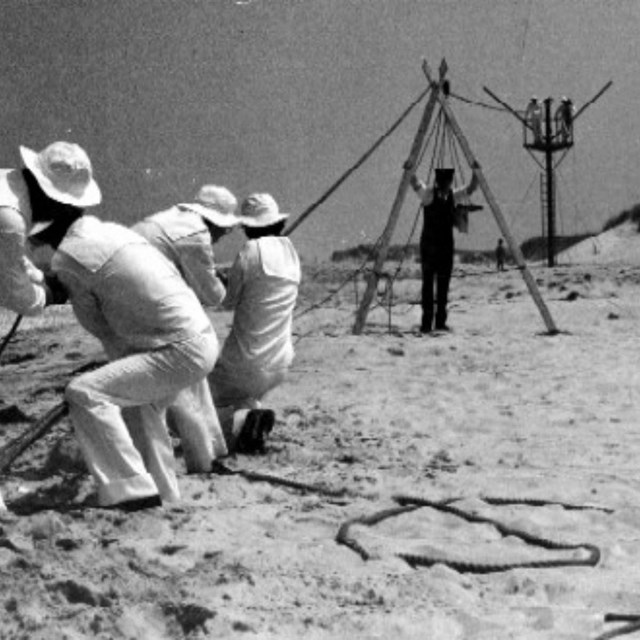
(497, 419)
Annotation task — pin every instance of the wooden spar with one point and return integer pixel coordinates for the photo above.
(310, 209)
(493, 204)
(590, 102)
(10, 334)
(408, 171)
(507, 107)
(13, 449)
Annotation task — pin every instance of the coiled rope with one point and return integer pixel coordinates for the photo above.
(309, 210)
(410, 503)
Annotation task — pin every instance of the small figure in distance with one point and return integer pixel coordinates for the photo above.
(500, 255)
(564, 119)
(533, 117)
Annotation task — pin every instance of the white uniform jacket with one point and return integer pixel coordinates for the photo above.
(182, 236)
(123, 290)
(262, 291)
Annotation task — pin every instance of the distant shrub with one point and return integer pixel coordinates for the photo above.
(629, 215)
(366, 252)
(359, 252)
(536, 248)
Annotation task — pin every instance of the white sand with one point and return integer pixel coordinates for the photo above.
(496, 408)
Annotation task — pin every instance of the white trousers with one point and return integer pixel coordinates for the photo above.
(236, 391)
(135, 459)
(194, 417)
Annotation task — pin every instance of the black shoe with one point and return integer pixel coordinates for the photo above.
(425, 329)
(442, 327)
(257, 424)
(138, 504)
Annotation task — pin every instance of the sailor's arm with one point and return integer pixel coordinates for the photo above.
(424, 193)
(236, 280)
(471, 186)
(199, 270)
(22, 287)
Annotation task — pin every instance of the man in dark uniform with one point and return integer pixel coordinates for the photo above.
(437, 244)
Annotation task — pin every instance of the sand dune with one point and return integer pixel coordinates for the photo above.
(621, 244)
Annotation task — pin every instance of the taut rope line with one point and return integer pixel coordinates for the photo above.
(309, 210)
(10, 334)
(409, 503)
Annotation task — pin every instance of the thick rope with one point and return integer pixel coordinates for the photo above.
(409, 503)
(344, 283)
(343, 537)
(305, 487)
(309, 210)
(620, 631)
(477, 103)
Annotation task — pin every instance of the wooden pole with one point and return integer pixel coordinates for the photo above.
(493, 204)
(10, 451)
(551, 189)
(508, 108)
(408, 171)
(10, 334)
(309, 210)
(590, 102)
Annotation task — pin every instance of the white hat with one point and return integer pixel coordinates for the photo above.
(215, 204)
(63, 171)
(261, 210)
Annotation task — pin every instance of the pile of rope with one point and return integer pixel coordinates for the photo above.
(410, 503)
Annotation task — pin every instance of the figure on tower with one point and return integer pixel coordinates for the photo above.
(437, 244)
(564, 120)
(533, 118)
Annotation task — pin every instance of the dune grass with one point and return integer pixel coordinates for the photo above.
(628, 215)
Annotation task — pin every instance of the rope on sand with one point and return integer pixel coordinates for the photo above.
(410, 503)
(347, 540)
(305, 487)
(631, 627)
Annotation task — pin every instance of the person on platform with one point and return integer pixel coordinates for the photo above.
(437, 241)
(564, 119)
(186, 234)
(500, 255)
(533, 117)
(262, 292)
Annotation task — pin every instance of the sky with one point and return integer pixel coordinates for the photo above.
(284, 96)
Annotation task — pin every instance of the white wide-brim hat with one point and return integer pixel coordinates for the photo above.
(63, 171)
(215, 204)
(260, 210)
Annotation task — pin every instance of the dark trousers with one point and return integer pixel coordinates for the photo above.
(437, 265)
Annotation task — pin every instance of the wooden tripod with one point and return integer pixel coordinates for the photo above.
(437, 96)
